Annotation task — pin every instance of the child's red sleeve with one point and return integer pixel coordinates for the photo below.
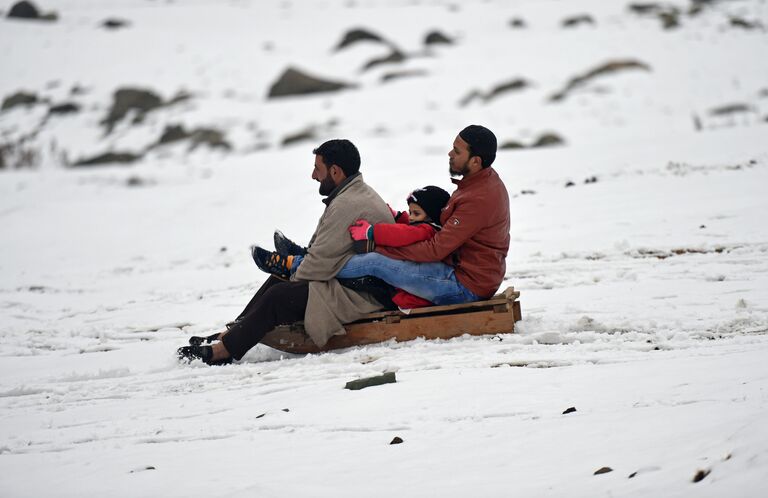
(399, 234)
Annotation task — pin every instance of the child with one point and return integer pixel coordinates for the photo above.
(420, 223)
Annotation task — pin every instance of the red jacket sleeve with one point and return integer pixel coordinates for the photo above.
(399, 234)
(465, 220)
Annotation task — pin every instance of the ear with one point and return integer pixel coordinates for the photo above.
(337, 173)
(476, 162)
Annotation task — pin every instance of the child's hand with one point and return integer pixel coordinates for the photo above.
(399, 216)
(361, 230)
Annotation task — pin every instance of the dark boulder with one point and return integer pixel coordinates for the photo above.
(17, 99)
(548, 140)
(131, 99)
(301, 136)
(517, 23)
(65, 108)
(512, 144)
(113, 23)
(28, 10)
(395, 75)
(394, 57)
(357, 35)
(173, 133)
(24, 10)
(295, 82)
(108, 158)
(574, 21)
(437, 38)
(213, 138)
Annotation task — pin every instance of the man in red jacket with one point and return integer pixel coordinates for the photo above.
(466, 260)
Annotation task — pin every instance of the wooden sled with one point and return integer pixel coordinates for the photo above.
(494, 316)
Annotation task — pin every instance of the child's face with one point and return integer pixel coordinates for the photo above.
(415, 213)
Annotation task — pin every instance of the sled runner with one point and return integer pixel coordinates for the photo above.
(494, 316)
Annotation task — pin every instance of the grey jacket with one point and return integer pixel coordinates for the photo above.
(330, 304)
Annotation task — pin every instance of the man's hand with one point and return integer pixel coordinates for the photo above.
(361, 230)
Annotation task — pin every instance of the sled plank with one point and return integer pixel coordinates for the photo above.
(494, 316)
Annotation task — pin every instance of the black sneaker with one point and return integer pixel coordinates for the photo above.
(204, 353)
(284, 245)
(272, 262)
(196, 340)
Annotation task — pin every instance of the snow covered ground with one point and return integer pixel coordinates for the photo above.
(644, 283)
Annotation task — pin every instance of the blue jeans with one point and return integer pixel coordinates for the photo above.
(434, 282)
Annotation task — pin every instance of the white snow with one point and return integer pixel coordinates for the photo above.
(644, 294)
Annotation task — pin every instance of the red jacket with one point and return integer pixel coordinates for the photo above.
(400, 234)
(403, 234)
(474, 239)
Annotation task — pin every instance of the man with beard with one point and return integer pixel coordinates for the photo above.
(313, 294)
(466, 260)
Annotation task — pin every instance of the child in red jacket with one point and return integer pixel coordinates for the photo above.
(421, 222)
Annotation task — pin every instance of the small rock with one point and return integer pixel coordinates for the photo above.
(66, 108)
(738, 22)
(569, 410)
(173, 133)
(603, 470)
(113, 23)
(395, 75)
(437, 38)
(548, 140)
(295, 82)
(17, 99)
(134, 181)
(512, 144)
(669, 19)
(644, 8)
(573, 21)
(24, 10)
(387, 378)
(357, 35)
(702, 226)
(394, 57)
(517, 23)
(700, 475)
(569, 184)
(128, 99)
(211, 137)
(527, 192)
(633, 474)
(286, 410)
(301, 136)
(396, 440)
(108, 158)
(591, 179)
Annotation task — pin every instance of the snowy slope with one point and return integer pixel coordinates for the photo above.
(644, 284)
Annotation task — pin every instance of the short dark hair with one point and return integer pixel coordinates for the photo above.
(342, 153)
(482, 143)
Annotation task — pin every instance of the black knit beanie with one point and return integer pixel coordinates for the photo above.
(482, 142)
(431, 199)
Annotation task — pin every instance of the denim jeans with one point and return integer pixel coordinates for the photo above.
(434, 282)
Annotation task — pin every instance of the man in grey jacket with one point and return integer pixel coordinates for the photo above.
(313, 294)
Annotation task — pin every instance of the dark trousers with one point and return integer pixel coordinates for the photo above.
(275, 303)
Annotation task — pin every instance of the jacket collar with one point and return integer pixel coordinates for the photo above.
(342, 186)
(478, 177)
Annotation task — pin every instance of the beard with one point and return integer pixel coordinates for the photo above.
(327, 186)
(462, 170)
